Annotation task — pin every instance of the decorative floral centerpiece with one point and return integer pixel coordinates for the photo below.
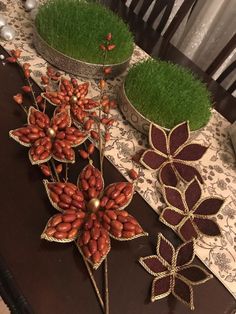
(68, 34)
(165, 94)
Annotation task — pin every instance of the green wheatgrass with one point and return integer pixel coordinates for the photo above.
(168, 94)
(78, 27)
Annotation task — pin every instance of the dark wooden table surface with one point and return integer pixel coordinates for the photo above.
(47, 278)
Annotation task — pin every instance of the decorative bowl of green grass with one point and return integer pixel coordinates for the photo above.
(165, 94)
(68, 34)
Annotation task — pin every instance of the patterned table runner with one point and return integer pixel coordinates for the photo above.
(218, 165)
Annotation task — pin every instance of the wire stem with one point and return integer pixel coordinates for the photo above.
(106, 288)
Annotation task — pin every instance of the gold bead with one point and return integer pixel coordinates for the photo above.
(51, 133)
(93, 204)
(73, 99)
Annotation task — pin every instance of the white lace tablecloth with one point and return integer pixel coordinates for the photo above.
(218, 166)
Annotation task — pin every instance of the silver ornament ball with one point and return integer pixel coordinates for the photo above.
(2, 57)
(3, 21)
(7, 32)
(30, 5)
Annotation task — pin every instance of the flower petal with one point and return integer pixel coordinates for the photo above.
(152, 160)
(91, 182)
(121, 225)
(185, 254)
(167, 175)
(74, 136)
(165, 250)
(63, 152)
(94, 245)
(153, 265)
(61, 119)
(38, 118)
(207, 226)
(161, 287)
(61, 228)
(117, 195)
(40, 151)
(20, 135)
(178, 136)
(171, 217)
(183, 292)
(209, 206)
(193, 193)
(158, 139)
(191, 152)
(64, 196)
(187, 230)
(194, 274)
(186, 172)
(173, 197)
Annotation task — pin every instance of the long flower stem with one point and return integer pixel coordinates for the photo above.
(55, 171)
(93, 281)
(106, 287)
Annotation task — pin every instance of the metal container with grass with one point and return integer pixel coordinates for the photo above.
(68, 34)
(165, 94)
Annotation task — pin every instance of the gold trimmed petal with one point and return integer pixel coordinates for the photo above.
(178, 136)
(190, 152)
(152, 160)
(187, 230)
(184, 254)
(206, 226)
(161, 287)
(194, 274)
(165, 250)
(158, 139)
(174, 198)
(193, 193)
(171, 217)
(208, 206)
(16, 136)
(168, 174)
(153, 265)
(183, 292)
(185, 171)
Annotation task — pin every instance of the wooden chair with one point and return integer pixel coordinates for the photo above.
(219, 60)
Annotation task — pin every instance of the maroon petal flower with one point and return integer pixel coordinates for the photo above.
(158, 139)
(161, 287)
(194, 274)
(178, 136)
(173, 272)
(183, 292)
(152, 159)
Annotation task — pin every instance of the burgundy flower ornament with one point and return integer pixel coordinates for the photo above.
(172, 154)
(72, 94)
(188, 213)
(49, 138)
(91, 214)
(173, 271)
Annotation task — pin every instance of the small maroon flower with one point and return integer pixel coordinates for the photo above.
(172, 154)
(49, 138)
(91, 214)
(188, 213)
(173, 271)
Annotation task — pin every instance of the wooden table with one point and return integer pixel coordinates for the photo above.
(45, 278)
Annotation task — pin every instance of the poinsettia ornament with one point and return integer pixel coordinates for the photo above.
(71, 94)
(172, 154)
(188, 213)
(49, 138)
(91, 214)
(173, 271)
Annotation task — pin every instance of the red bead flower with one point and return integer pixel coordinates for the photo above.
(172, 154)
(49, 138)
(72, 94)
(173, 271)
(188, 213)
(91, 214)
